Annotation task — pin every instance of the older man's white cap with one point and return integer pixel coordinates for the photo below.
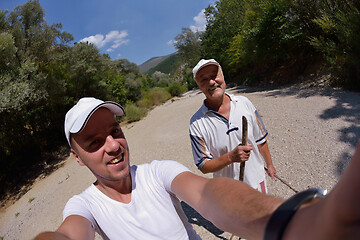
(203, 63)
(77, 117)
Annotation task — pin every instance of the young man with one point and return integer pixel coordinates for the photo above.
(216, 131)
(142, 202)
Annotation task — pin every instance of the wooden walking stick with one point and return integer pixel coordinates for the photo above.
(283, 181)
(243, 143)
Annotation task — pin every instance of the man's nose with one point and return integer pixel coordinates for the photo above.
(111, 145)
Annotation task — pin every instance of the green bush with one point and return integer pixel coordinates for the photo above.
(134, 113)
(176, 89)
(155, 96)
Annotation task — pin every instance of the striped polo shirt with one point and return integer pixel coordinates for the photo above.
(212, 135)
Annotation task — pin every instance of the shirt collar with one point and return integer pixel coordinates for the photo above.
(205, 109)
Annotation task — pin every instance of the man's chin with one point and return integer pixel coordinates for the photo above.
(217, 93)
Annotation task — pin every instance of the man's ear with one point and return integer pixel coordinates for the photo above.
(81, 163)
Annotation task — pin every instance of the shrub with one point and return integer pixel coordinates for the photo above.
(134, 113)
(154, 97)
(176, 89)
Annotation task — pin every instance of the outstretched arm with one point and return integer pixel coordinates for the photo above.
(229, 204)
(237, 208)
(74, 227)
(337, 216)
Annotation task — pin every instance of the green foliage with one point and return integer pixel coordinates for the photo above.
(115, 83)
(7, 52)
(176, 89)
(41, 77)
(270, 38)
(168, 66)
(126, 67)
(134, 113)
(224, 21)
(160, 79)
(153, 97)
(188, 45)
(339, 42)
(85, 69)
(133, 85)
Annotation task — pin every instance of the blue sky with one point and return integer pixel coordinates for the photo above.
(133, 29)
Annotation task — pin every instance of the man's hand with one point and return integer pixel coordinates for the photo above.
(271, 171)
(240, 153)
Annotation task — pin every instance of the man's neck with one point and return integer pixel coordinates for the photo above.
(117, 190)
(222, 106)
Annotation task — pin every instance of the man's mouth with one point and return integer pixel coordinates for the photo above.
(215, 86)
(117, 160)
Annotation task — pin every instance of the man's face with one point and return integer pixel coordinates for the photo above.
(102, 147)
(210, 81)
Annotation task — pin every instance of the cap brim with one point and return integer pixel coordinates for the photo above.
(81, 121)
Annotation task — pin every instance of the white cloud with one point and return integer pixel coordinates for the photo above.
(171, 42)
(115, 38)
(200, 22)
(199, 26)
(97, 40)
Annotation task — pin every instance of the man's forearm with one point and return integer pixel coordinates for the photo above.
(237, 208)
(265, 153)
(216, 164)
(51, 236)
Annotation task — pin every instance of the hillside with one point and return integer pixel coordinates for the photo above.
(152, 62)
(168, 65)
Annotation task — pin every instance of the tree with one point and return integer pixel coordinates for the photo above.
(28, 114)
(188, 44)
(338, 41)
(224, 21)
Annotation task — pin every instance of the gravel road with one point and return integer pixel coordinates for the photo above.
(313, 133)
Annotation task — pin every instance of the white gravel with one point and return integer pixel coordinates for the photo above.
(313, 133)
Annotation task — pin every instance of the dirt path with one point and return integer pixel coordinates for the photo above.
(313, 133)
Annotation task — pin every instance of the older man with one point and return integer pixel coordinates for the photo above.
(216, 131)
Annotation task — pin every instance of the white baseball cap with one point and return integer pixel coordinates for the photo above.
(203, 63)
(77, 117)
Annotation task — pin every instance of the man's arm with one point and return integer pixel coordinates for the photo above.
(229, 204)
(337, 216)
(73, 227)
(238, 154)
(235, 207)
(265, 153)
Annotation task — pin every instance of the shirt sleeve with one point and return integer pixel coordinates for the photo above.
(167, 170)
(260, 133)
(77, 206)
(199, 149)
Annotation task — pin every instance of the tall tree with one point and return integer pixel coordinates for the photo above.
(188, 44)
(224, 21)
(26, 114)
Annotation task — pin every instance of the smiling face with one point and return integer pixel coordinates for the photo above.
(210, 81)
(102, 147)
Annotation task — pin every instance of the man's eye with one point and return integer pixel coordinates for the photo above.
(116, 132)
(94, 143)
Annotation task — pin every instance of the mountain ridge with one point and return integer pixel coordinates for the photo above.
(152, 62)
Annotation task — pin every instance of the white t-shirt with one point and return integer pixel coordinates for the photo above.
(153, 213)
(212, 135)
